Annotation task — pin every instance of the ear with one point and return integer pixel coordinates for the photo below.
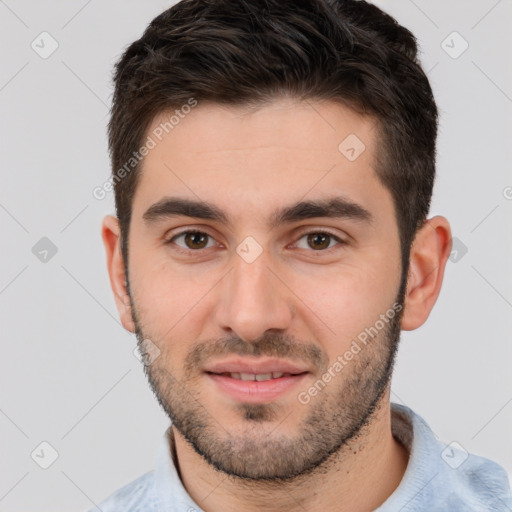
(429, 254)
(110, 232)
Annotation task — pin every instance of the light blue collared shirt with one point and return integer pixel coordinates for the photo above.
(438, 478)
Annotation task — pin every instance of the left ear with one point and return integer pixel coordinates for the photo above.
(429, 253)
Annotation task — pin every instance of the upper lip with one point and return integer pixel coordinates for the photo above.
(255, 366)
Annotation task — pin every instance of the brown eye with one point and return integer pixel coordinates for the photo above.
(192, 240)
(196, 240)
(319, 241)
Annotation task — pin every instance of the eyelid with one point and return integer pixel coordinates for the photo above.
(308, 230)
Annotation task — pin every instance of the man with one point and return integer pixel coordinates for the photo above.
(273, 165)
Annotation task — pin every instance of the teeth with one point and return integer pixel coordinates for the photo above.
(256, 377)
(263, 376)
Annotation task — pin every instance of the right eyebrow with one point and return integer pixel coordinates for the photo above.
(171, 207)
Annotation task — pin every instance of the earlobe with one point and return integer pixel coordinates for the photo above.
(110, 232)
(429, 255)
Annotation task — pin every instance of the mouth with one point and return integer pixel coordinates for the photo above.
(259, 377)
(254, 380)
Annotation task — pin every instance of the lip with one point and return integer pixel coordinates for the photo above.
(255, 391)
(255, 365)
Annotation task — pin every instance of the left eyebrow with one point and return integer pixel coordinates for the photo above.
(337, 207)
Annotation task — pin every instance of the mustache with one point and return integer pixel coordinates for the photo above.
(276, 345)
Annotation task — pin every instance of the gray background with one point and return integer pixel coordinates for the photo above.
(68, 373)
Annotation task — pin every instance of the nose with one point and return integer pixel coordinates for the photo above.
(252, 300)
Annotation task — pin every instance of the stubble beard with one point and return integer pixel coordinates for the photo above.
(256, 449)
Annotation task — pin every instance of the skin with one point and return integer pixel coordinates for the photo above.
(249, 163)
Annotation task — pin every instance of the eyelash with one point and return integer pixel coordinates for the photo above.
(302, 235)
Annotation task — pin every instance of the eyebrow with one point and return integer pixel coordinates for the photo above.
(336, 207)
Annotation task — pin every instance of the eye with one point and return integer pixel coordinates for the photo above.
(319, 240)
(193, 240)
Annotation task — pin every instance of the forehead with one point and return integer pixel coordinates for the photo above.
(261, 158)
(312, 131)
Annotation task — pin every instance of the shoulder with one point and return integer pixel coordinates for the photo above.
(469, 482)
(138, 495)
(443, 476)
(482, 483)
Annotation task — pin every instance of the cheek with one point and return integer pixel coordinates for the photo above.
(169, 301)
(343, 302)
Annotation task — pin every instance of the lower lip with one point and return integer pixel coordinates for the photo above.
(251, 391)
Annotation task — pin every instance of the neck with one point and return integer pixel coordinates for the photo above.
(359, 477)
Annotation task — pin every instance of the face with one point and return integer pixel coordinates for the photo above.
(264, 268)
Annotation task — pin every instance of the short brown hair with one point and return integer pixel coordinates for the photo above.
(248, 52)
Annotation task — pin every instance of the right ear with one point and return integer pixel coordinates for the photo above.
(110, 232)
